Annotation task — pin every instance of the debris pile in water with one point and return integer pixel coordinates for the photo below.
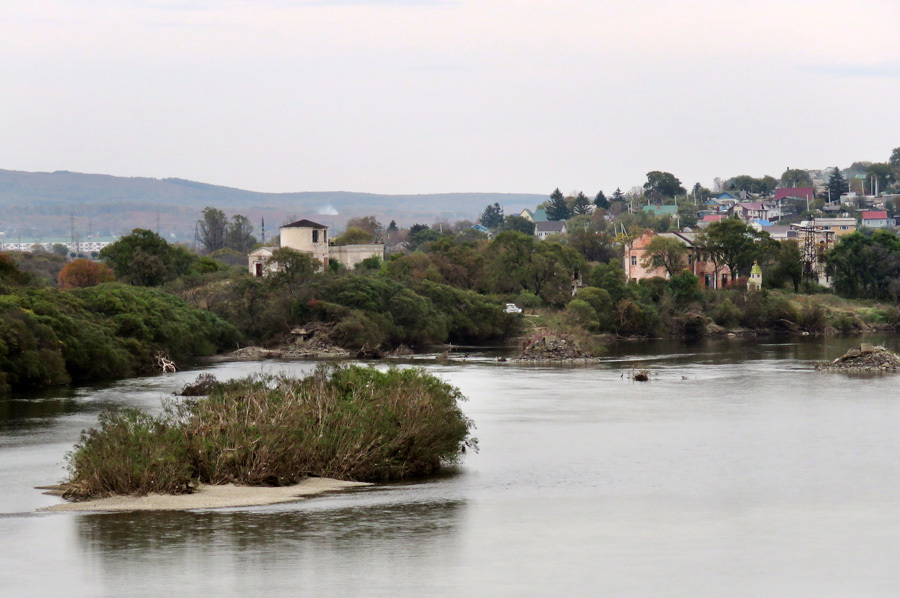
(868, 358)
(551, 347)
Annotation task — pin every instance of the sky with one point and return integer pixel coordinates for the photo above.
(427, 96)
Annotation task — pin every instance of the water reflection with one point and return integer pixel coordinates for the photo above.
(267, 551)
(115, 535)
(22, 412)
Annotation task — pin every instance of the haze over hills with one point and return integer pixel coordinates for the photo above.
(36, 205)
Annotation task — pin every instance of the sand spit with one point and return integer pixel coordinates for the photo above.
(210, 497)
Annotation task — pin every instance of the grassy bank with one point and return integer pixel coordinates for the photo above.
(349, 423)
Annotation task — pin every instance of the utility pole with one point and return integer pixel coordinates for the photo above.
(72, 223)
(263, 230)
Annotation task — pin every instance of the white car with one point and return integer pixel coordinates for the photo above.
(511, 308)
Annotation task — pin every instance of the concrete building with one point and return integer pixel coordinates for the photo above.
(311, 237)
(840, 226)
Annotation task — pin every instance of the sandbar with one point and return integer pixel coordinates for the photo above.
(211, 497)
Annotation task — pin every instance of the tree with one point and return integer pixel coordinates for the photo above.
(59, 249)
(883, 173)
(894, 160)
(865, 267)
(518, 262)
(558, 209)
(369, 224)
(667, 253)
(516, 222)
(354, 236)
(212, 229)
(84, 273)
(239, 234)
(600, 201)
(618, 195)
(492, 216)
(663, 183)
(391, 232)
(730, 242)
(419, 234)
(292, 268)
(582, 204)
(837, 185)
(143, 258)
(792, 179)
(785, 266)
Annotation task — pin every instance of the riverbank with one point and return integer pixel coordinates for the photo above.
(207, 496)
(725, 314)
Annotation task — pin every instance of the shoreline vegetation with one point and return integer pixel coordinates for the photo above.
(348, 423)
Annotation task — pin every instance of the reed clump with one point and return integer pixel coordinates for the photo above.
(350, 423)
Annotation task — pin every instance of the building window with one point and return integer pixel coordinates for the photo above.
(634, 260)
(315, 236)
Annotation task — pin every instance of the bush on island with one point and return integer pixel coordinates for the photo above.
(350, 423)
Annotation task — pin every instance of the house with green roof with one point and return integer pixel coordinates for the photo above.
(670, 210)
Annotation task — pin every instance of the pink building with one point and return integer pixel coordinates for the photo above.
(695, 261)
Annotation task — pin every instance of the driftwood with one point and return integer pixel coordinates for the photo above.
(165, 364)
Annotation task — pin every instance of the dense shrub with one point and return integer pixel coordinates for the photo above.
(49, 337)
(130, 453)
(344, 422)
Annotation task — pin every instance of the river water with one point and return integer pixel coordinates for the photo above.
(736, 471)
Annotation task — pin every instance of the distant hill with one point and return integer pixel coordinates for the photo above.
(37, 205)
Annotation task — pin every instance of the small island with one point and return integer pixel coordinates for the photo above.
(333, 429)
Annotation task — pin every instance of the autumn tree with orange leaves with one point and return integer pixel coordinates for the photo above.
(84, 273)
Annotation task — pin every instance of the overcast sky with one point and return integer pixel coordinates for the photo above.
(421, 96)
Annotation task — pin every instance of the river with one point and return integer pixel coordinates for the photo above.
(736, 470)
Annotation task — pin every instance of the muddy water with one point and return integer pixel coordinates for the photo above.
(736, 471)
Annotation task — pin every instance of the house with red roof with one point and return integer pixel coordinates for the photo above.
(876, 219)
(807, 193)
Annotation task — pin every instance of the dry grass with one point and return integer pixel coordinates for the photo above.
(350, 423)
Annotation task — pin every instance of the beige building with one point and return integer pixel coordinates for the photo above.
(311, 237)
(840, 226)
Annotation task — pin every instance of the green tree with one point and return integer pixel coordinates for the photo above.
(518, 262)
(837, 185)
(492, 216)
(663, 183)
(213, 227)
(518, 223)
(667, 253)
(618, 195)
(600, 201)
(883, 173)
(143, 258)
(784, 266)
(730, 242)
(239, 234)
(582, 204)
(558, 209)
(354, 236)
(793, 178)
(866, 267)
(292, 268)
(419, 234)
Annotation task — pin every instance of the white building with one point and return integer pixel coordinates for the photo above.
(311, 237)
